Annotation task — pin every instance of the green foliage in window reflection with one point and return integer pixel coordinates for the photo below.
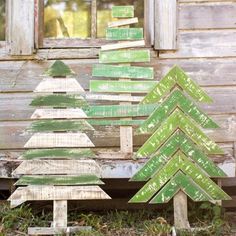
(2, 20)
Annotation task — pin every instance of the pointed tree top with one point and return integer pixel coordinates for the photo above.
(176, 76)
(59, 69)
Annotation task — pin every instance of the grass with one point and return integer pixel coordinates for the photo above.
(118, 223)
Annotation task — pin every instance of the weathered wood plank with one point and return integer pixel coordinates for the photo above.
(123, 45)
(108, 86)
(59, 125)
(101, 122)
(58, 154)
(202, 44)
(57, 230)
(166, 25)
(48, 85)
(132, 72)
(123, 22)
(57, 100)
(20, 27)
(123, 11)
(124, 33)
(127, 56)
(53, 140)
(57, 167)
(47, 193)
(58, 180)
(59, 213)
(207, 15)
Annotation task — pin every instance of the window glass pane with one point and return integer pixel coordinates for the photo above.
(104, 13)
(2, 20)
(67, 19)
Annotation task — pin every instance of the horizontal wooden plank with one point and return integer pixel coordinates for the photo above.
(132, 72)
(17, 75)
(122, 11)
(49, 85)
(123, 45)
(58, 154)
(56, 230)
(53, 140)
(207, 15)
(204, 44)
(108, 86)
(57, 167)
(59, 125)
(115, 122)
(124, 33)
(127, 56)
(47, 193)
(123, 22)
(58, 180)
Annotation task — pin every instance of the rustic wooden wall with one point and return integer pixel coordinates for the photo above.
(206, 50)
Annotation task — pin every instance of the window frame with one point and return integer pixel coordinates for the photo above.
(93, 42)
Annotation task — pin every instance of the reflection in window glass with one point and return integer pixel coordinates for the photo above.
(104, 13)
(2, 20)
(67, 19)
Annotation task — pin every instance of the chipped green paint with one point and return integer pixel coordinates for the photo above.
(59, 125)
(102, 122)
(123, 11)
(177, 141)
(59, 69)
(176, 76)
(124, 56)
(177, 120)
(176, 99)
(56, 100)
(124, 33)
(109, 111)
(132, 72)
(179, 162)
(59, 180)
(108, 86)
(180, 182)
(58, 154)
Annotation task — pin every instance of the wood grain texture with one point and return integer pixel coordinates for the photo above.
(166, 25)
(124, 33)
(53, 140)
(123, 45)
(59, 213)
(122, 11)
(57, 167)
(123, 22)
(48, 85)
(20, 30)
(47, 193)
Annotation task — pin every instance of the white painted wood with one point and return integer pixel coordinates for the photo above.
(58, 167)
(49, 85)
(166, 24)
(58, 114)
(48, 140)
(126, 139)
(59, 213)
(57, 230)
(123, 22)
(20, 27)
(52, 193)
(181, 211)
(121, 98)
(131, 44)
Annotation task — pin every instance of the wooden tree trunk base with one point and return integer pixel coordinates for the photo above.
(181, 211)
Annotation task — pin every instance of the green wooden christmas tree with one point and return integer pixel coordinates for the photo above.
(177, 149)
(57, 165)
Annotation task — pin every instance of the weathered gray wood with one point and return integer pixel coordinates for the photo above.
(202, 44)
(57, 167)
(122, 45)
(47, 193)
(59, 213)
(166, 25)
(56, 231)
(207, 15)
(181, 211)
(20, 27)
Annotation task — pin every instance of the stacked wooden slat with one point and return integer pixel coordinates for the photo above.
(115, 63)
(58, 164)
